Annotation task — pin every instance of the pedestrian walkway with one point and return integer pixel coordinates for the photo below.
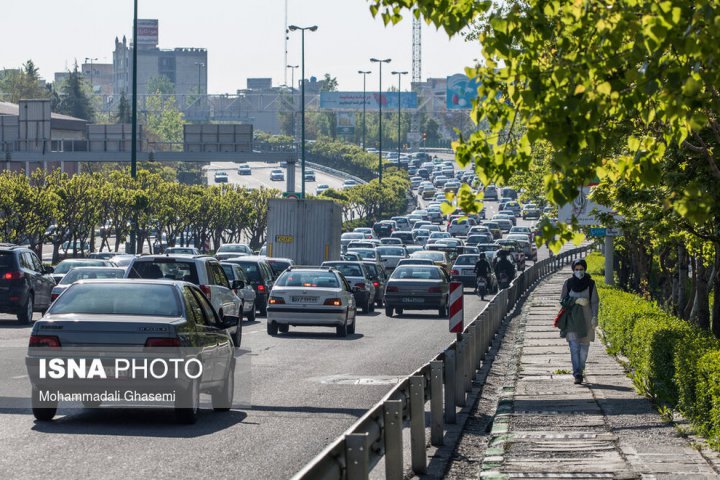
(548, 427)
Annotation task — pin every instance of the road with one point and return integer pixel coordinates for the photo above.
(260, 177)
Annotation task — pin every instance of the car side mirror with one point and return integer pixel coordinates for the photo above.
(47, 269)
(238, 284)
(229, 322)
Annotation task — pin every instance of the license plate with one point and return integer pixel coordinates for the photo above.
(413, 300)
(465, 272)
(304, 299)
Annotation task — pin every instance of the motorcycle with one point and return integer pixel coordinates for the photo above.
(482, 287)
(503, 281)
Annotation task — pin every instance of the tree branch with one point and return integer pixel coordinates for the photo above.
(706, 152)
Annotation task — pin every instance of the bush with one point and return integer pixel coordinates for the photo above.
(708, 398)
(687, 358)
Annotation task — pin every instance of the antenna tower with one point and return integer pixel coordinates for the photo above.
(417, 51)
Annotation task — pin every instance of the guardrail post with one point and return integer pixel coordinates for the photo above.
(478, 343)
(469, 363)
(449, 365)
(417, 424)
(392, 413)
(460, 373)
(487, 332)
(356, 453)
(436, 403)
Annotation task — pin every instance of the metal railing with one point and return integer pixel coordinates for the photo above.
(445, 382)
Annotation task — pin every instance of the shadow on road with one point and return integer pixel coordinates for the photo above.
(14, 325)
(355, 412)
(330, 335)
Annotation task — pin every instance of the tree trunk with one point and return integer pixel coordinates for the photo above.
(693, 287)
(700, 313)
(682, 280)
(716, 293)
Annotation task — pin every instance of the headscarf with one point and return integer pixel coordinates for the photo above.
(578, 285)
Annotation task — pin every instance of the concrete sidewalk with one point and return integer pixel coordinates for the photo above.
(548, 427)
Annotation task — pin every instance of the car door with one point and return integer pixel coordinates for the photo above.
(40, 284)
(349, 297)
(203, 339)
(220, 286)
(267, 274)
(248, 294)
(224, 348)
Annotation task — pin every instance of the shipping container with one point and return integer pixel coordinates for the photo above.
(34, 125)
(307, 231)
(113, 138)
(218, 137)
(9, 132)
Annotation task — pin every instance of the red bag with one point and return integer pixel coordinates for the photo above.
(559, 316)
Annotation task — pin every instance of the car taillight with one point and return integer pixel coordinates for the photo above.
(162, 342)
(335, 302)
(392, 289)
(454, 272)
(261, 288)
(53, 296)
(276, 301)
(376, 284)
(44, 341)
(368, 236)
(206, 290)
(434, 290)
(361, 286)
(12, 275)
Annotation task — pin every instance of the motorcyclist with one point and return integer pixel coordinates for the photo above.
(504, 265)
(482, 269)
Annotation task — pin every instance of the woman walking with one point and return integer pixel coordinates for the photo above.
(580, 297)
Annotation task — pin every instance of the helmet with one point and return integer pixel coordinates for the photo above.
(482, 255)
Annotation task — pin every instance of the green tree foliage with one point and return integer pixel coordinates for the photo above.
(160, 85)
(164, 122)
(75, 96)
(124, 112)
(25, 83)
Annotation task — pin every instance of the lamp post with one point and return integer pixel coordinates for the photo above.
(292, 92)
(380, 62)
(312, 28)
(364, 74)
(91, 71)
(133, 147)
(399, 74)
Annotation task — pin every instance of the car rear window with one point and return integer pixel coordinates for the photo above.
(395, 252)
(347, 269)
(118, 299)
(278, 266)
(466, 260)
(417, 272)
(7, 261)
(66, 265)
(308, 279)
(185, 271)
(82, 274)
(252, 271)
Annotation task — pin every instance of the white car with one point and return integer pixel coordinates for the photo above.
(244, 169)
(321, 188)
(312, 296)
(390, 255)
(349, 183)
(230, 250)
(221, 177)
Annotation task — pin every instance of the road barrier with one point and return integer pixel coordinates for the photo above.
(444, 381)
(455, 304)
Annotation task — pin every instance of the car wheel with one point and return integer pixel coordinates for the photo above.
(222, 398)
(388, 310)
(283, 328)
(237, 337)
(342, 330)
(262, 309)
(442, 312)
(187, 404)
(42, 411)
(372, 305)
(366, 306)
(399, 311)
(26, 312)
(251, 314)
(272, 328)
(379, 303)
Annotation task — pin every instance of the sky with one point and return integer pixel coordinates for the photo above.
(244, 38)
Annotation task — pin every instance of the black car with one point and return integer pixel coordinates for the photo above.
(379, 279)
(25, 284)
(260, 275)
(384, 228)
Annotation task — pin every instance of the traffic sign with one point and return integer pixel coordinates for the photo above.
(455, 301)
(292, 195)
(605, 232)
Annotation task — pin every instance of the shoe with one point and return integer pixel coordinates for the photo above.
(578, 379)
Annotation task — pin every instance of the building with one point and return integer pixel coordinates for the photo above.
(186, 68)
(100, 76)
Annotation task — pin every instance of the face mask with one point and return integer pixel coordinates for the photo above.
(579, 274)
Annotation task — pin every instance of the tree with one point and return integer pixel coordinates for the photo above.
(164, 122)
(124, 113)
(75, 96)
(160, 85)
(328, 83)
(22, 84)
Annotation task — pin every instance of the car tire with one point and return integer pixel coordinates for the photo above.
(237, 337)
(272, 328)
(399, 311)
(283, 328)
(190, 396)
(372, 305)
(366, 306)
(42, 411)
(262, 309)
(379, 303)
(388, 310)
(222, 398)
(251, 314)
(342, 330)
(25, 314)
(442, 312)
(351, 327)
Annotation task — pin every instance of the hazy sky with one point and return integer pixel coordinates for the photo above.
(244, 38)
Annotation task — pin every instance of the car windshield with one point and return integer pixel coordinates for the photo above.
(416, 272)
(440, 235)
(491, 225)
(347, 269)
(488, 247)
(251, 269)
(434, 256)
(233, 248)
(365, 253)
(351, 236)
(518, 236)
(188, 251)
(391, 251)
(308, 279)
(466, 260)
(90, 273)
(185, 271)
(118, 299)
(66, 265)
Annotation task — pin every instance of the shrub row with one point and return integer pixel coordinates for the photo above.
(672, 362)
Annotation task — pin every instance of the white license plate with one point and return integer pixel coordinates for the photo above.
(465, 272)
(304, 299)
(413, 300)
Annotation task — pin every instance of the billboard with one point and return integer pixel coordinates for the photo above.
(345, 123)
(583, 209)
(353, 101)
(461, 90)
(147, 33)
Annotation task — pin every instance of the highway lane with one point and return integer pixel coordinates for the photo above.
(260, 177)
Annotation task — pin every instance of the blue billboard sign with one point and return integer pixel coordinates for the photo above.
(461, 91)
(353, 101)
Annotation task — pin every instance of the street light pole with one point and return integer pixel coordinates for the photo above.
(380, 62)
(364, 74)
(399, 74)
(133, 147)
(91, 72)
(312, 28)
(292, 93)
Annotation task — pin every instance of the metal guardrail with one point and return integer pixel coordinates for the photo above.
(332, 171)
(445, 382)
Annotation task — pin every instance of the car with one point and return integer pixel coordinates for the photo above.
(182, 251)
(312, 296)
(367, 231)
(421, 236)
(321, 188)
(526, 244)
(25, 283)
(503, 222)
(277, 175)
(494, 228)
(221, 177)
(489, 249)
(102, 255)
(416, 261)
(85, 273)
(123, 259)
(104, 319)
(348, 237)
(260, 275)
(491, 193)
(531, 213)
(242, 289)
(367, 254)
(370, 243)
(391, 240)
(349, 183)
(351, 257)
(244, 169)
(459, 227)
(379, 279)
(279, 265)
(464, 271)
(435, 236)
(412, 248)
(479, 230)
(517, 251)
(476, 238)
(514, 206)
(405, 237)
(66, 265)
(417, 287)
(403, 224)
(390, 255)
(415, 182)
(384, 228)
(510, 214)
(508, 192)
(201, 270)
(309, 175)
(428, 192)
(230, 250)
(358, 275)
(452, 186)
(440, 258)
(523, 230)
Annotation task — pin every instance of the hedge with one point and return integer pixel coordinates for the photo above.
(673, 362)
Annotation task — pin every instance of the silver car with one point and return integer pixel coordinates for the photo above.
(85, 273)
(359, 277)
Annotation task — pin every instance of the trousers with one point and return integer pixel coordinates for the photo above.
(578, 356)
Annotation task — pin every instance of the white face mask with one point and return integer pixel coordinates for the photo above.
(579, 274)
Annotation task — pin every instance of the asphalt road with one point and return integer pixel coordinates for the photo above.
(260, 177)
(306, 388)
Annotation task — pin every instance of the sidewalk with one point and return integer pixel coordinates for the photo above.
(548, 427)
